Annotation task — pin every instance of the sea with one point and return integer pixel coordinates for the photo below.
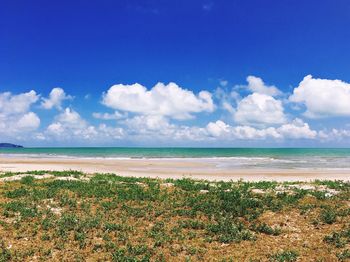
(270, 158)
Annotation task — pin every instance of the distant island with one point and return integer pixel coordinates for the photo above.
(9, 145)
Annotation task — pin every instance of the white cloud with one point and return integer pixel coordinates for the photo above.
(55, 99)
(323, 97)
(69, 122)
(295, 130)
(259, 109)
(158, 129)
(251, 133)
(227, 99)
(165, 100)
(16, 104)
(55, 128)
(70, 126)
(107, 132)
(16, 119)
(334, 134)
(218, 128)
(107, 116)
(257, 85)
(71, 118)
(27, 122)
(148, 123)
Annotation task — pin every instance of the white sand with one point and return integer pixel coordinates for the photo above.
(166, 168)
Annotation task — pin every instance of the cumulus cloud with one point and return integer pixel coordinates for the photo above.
(165, 100)
(68, 120)
(70, 126)
(334, 134)
(218, 128)
(55, 99)
(227, 99)
(257, 85)
(16, 119)
(153, 128)
(221, 130)
(28, 121)
(297, 129)
(149, 123)
(259, 109)
(323, 97)
(294, 130)
(16, 104)
(108, 116)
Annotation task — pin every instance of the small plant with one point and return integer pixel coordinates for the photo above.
(328, 216)
(28, 180)
(338, 239)
(80, 237)
(192, 224)
(5, 254)
(266, 229)
(226, 232)
(23, 208)
(284, 256)
(343, 256)
(17, 193)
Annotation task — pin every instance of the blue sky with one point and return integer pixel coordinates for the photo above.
(83, 48)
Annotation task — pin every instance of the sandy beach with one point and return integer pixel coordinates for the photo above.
(167, 168)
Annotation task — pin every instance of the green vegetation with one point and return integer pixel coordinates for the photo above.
(74, 216)
(285, 256)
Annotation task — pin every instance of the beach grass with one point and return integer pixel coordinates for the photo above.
(74, 216)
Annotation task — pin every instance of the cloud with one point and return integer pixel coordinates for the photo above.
(107, 116)
(149, 123)
(70, 126)
(227, 99)
(27, 122)
(257, 85)
(323, 97)
(294, 130)
(259, 109)
(223, 82)
(218, 128)
(16, 104)
(297, 129)
(69, 118)
(164, 100)
(16, 119)
(153, 129)
(55, 99)
(221, 130)
(334, 134)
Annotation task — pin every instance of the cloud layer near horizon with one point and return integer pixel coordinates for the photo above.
(172, 115)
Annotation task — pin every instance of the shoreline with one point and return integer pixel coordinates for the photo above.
(169, 168)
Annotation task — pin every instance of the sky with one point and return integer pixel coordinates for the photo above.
(224, 73)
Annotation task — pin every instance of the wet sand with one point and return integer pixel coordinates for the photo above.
(167, 168)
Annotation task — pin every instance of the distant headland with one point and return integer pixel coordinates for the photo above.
(9, 145)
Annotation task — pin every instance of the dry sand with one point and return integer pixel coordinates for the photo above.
(166, 168)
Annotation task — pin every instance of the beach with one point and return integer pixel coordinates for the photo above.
(212, 169)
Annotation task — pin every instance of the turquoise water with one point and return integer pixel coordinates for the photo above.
(133, 152)
(332, 158)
